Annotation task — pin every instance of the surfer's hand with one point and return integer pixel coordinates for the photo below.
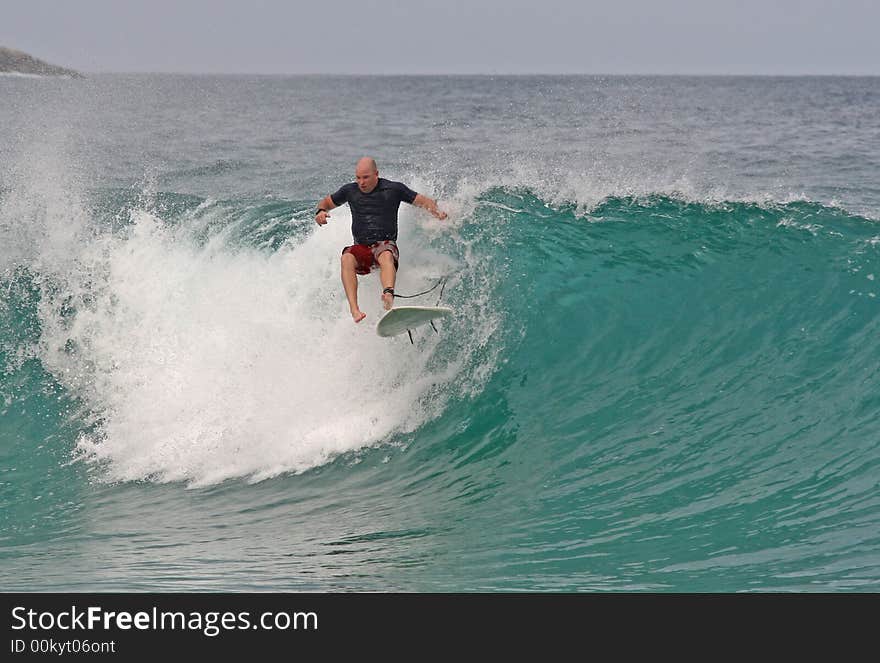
(440, 214)
(321, 218)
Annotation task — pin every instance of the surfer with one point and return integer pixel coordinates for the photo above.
(374, 202)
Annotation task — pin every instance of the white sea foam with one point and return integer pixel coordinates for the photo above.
(201, 362)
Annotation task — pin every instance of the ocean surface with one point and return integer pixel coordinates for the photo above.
(661, 373)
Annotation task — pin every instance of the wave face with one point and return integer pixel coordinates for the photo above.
(639, 390)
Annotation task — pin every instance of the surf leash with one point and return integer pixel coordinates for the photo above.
(432, 288)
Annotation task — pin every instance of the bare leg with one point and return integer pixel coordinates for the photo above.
(350, 284)
(387, 275)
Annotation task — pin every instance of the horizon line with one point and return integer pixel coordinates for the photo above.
(489, 74)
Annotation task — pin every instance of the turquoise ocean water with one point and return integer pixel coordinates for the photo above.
(661, 374)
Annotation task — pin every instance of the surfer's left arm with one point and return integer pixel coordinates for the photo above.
(430, 205)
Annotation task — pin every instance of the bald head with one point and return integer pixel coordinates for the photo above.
(368, 164)
(367, 174)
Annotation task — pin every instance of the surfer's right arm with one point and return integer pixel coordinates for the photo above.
(324, 206)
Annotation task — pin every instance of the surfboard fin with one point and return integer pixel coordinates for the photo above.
(409, 331)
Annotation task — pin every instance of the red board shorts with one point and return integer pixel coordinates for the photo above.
(367, 255)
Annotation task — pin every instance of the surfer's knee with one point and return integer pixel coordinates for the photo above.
(387, 262)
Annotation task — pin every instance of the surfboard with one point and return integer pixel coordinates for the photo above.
(402, 318)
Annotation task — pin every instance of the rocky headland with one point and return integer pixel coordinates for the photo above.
(17, 62)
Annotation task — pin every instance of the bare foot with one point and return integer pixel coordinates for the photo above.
(357, 316)
(387, 300)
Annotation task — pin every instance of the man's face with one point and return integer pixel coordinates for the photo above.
(366, 178)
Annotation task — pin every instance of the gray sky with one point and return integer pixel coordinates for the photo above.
(450, 36)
